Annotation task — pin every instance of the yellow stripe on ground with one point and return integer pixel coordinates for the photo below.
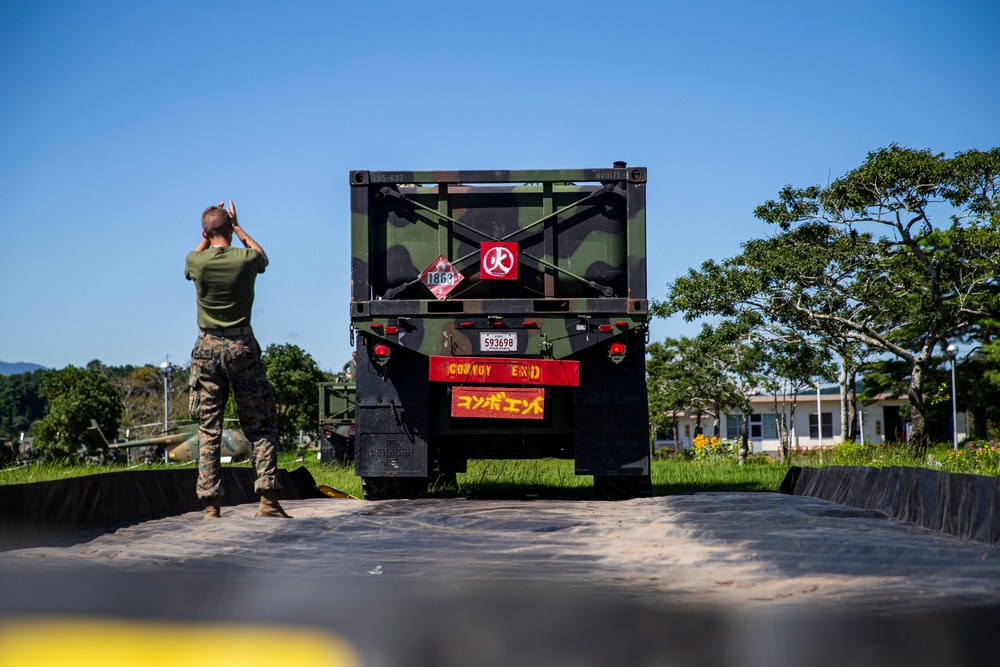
(116, 643)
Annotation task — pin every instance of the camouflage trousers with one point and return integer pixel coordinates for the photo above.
(219, 365)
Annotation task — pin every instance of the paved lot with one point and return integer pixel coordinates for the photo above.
(715, 578)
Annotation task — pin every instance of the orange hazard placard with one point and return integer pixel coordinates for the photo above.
(482, 370)
(498, 402)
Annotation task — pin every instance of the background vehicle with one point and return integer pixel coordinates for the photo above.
(336, 421)
(499, 314)
(178, 446)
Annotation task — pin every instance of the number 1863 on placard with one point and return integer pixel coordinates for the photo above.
(440, 278)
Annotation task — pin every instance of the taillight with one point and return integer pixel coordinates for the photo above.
(380, 354)
(617, 351)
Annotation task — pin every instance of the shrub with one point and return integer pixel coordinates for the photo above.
(848, 453)
(712, 448)
(981, 457)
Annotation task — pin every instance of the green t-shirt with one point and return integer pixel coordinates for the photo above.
(224, 280)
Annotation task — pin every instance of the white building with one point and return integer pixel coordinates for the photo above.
(881, 422)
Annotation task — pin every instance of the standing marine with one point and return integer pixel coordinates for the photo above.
(226, 357)
(351, 367)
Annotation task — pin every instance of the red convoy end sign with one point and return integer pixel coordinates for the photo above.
(482, 370)
(498, 402)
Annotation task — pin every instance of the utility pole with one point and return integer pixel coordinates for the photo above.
(819, 417)
(952, 352)
(167, 368)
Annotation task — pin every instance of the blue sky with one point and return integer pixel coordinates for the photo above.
(121, 121)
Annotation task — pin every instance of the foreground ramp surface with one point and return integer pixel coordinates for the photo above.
(711, 578)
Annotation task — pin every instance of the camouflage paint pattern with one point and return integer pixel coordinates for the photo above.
(183, 446)
(234, 445)
(598, 238)
(218, 365)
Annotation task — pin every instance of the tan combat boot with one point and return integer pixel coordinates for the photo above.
(213, 508)
(269, 505)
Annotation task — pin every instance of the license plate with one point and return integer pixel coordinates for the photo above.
(490, 341)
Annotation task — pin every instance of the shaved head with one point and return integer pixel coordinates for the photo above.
(215, 220)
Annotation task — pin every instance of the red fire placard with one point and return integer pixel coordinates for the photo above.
(498, 402)
(483, 370)
(498, 261)
(440, 277)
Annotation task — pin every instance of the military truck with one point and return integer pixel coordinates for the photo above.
(499, 315)
(336, 421)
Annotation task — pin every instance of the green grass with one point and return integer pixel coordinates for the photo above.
(675, 475)
(976, 457)
(47, 471)
(551, 478)
(555, 478)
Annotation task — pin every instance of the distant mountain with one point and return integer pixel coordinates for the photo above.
(7, 368)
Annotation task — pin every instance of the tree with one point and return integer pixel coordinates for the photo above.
(294, 376)
(766, 290)
(681, 378)
(740, 357)
(667, 397)
(75, 396)
(692, 375)
(791, 367)
(719, 370)
(21, 402)
(934, 277)
(141, 389)
(899, 256)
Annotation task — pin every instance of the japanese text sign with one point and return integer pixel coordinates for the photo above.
(498, 402)
(498, 261)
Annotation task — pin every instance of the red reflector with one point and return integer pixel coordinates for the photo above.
(465, 324)
(499, 323)
(376, 325)
(529, 324)
(381, 350)
(621, 324)
(615, 348)
(604, 328)
(392, 331)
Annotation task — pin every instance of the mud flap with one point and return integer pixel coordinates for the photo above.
(610, 440)
(391, 423)
(394, 454)
(611, 429)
